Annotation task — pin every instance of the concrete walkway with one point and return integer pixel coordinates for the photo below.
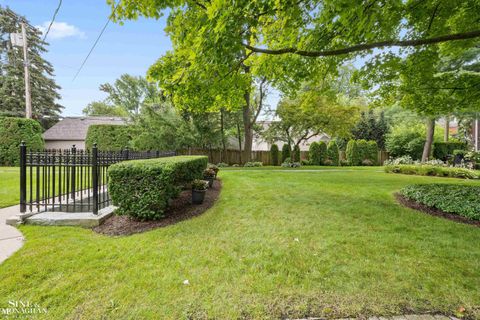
(10, 238)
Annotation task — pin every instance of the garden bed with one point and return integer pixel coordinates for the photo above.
(180, 209)
(433, 211)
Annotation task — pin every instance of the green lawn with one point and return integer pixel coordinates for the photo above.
(277, 244)
(9, 186)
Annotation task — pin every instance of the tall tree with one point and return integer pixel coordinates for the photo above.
(44, 90)
(101, 108)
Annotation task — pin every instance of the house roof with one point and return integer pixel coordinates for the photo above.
(75, 128)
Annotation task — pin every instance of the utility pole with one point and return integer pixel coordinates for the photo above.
(28, 100)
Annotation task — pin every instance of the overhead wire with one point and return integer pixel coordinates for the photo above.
(53, 19)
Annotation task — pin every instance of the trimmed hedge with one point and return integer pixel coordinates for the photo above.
(274, 154)
(352, 154)
(296, 154)
(457, 199)
(109, 137)
(142, 188)
(332, 153)
(442, 149)
(431, 170)
(286, 152)
(12, 132)
(314, 154)
(373, 151)
(362, 148)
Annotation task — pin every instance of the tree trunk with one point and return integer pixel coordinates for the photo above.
(222, 129)
(429, 139)
(247, 126)
(447, 129)
(239, 135)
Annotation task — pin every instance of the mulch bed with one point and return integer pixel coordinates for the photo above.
(433, 211)
(180, 209)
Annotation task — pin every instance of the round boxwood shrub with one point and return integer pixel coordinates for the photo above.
(274, 154)
(108, 137)
(286, 152)
(12, 132)
(332, 153)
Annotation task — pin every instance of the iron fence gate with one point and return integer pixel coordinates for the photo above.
(70, 180)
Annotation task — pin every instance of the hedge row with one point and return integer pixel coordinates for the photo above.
(457, 199)
(108, 137)
(12, 132)
(361, 152)
(442, 149)
(143, 188)
(431, 170)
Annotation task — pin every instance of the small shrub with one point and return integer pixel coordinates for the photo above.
(274, 153)
(432, 170)
(367, 162)
(12, 132)
(235, 165)
(457, 199)
(305, 163)
(253, 164)
(222, 165)
(314, 154)
(332, 153)
(142, 188)
(352, 154)
(291, 164)
(328, 162)
(108, 137)
(286, 151)
(344, 163)
(400, 160)
(296, 153)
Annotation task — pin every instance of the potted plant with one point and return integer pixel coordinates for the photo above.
(209, 175)
(214, 168)
(199, 187)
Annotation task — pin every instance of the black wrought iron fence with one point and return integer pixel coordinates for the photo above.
(70, 180)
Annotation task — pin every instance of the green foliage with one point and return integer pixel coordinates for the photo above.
(274, 153)
(371, 127)
(108, 137)
(44, 90)
(373, 151)
(12, 132)
(442, 149)
(296, 153)
(457, 199)
(433, 170)
(142, 188)
(363, 149)
(405, 141)
(101, 108)
(314, 154)
(286, 152)
(332, 153)
(253, 164)
(322, 148)
(199, 185)
(352, 154)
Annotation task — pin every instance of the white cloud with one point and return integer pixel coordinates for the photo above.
(60, 30)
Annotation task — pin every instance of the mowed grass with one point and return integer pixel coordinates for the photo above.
(277, 244)
(9, 186)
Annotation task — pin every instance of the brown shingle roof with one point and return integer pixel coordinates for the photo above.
(75, 128)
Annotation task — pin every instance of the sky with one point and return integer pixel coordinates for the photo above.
(130, 48)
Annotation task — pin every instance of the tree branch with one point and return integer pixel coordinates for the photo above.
(368, 46)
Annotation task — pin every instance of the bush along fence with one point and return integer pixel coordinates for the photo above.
(267, 157)
(70, 180)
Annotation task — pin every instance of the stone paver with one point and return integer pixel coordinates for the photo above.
(10, 238)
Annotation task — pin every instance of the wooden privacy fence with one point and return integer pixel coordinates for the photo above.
(235, 156)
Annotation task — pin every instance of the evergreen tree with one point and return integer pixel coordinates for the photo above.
(44, 90)
(371, 127)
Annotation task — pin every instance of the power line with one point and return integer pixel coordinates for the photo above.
(53, 19)
(96, 41)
